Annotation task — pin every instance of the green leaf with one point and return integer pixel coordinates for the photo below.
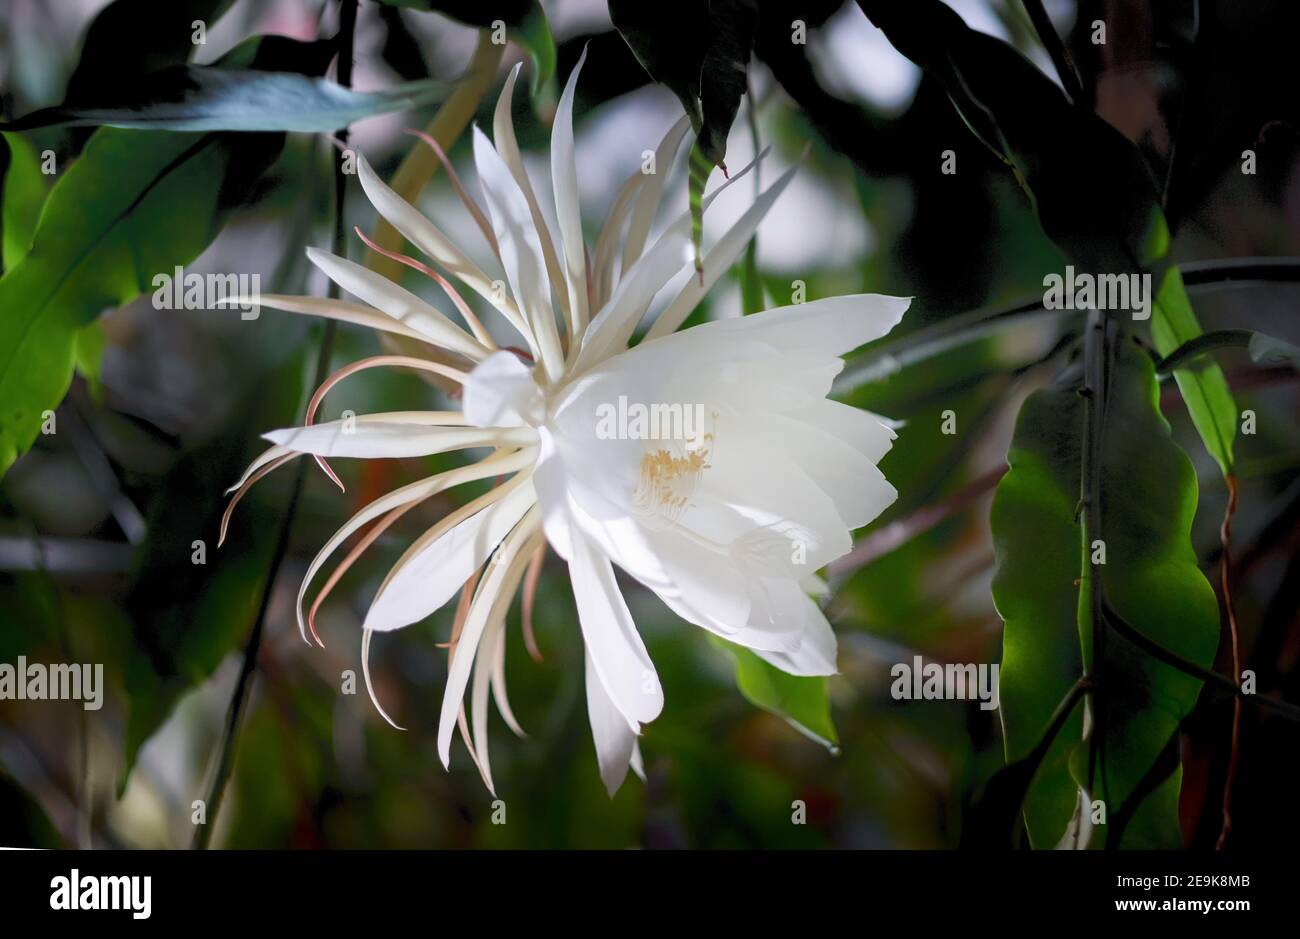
(802, 701)
(525, 22)
(132, 205)
(1093, 195)
(89, 357)
(1204, 387)
(22, 193)
(1150, 578)
(751, 284)
(196, 98)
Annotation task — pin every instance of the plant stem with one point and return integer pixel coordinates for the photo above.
(1069, 75)
(1098, 347)
(244, 683)
(1225, 577)
(895, 354)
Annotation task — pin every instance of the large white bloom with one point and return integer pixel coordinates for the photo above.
(707, 464)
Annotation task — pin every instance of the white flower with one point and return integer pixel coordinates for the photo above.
(725, 520)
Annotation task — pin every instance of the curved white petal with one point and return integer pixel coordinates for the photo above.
(613, 737)
(426, 236)
(618, 654)
(414, 492)
(521, 251)
(816, 651)
(718, 260)
(868, 433)
(613, 326)
(853, 482)
(489, 600)
(423, 580)
(330, 309)
(503, 138)
(397, 302)
(500, 392)
(385, 435)
(568, 213)
(647, 199)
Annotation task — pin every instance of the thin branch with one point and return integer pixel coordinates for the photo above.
(1098, 355)
(1069, 75)
(1225, 577)
(894, 354)
(881, 541)
(1213, 679)
(244, 684)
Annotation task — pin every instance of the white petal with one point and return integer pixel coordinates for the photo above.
(397, 302)
(718, 260)
(331, 309)
(614, 325)
(414, 492)
(521, 251)
(868, 433)
(386, 435)
(500, 392)
(617, 652)
(511, 558)
(853, 482)
(564, 179)
(816, 652)
(427, 578)
(831, 326)
(503, 136)
(647, 200)
(613, 737)
(429, 238)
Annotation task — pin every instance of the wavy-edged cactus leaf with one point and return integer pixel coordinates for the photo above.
(1150, 578)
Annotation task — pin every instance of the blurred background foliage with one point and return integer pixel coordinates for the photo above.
(98, 521)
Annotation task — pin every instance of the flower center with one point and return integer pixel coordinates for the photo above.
(667, 480)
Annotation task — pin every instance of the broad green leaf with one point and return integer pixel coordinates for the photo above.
(1089, 186)
(129, 207)
(132, 205)
(22, 193)
(89, 357)
(801, 700)
(1150, 578)
(195, 98)
(525, 23)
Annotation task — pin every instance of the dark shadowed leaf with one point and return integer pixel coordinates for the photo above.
(1093, 195)
(133, 38)
(525, 23)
